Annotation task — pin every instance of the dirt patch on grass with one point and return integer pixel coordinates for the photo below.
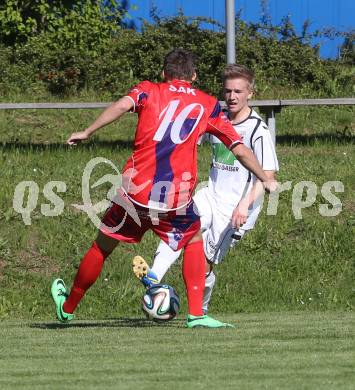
(32, 260)
(349, 205)
(29, 120)
(3, 264)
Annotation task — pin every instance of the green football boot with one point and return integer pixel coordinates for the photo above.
(205, 322)
(59, 295)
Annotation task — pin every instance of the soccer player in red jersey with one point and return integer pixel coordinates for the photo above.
(158, 180)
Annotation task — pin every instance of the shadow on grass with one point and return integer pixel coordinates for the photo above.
(110, 323)
(282, 139)
(37, 146)
(309, 139)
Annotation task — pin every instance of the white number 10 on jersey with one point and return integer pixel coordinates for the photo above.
(178, 123)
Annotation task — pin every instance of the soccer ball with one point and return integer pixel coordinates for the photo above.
(161, 303)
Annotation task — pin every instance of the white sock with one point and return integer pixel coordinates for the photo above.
(209, 284)
(163, 259)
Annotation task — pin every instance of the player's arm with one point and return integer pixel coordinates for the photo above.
(240, 213)
(264, 151)
(112, 113)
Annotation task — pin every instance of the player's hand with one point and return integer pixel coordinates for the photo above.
(240, 214)
(270, 185)
(77, 137)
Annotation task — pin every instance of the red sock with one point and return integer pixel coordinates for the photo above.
(193, 270)
(89, 270)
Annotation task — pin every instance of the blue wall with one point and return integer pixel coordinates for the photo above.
(338, 14)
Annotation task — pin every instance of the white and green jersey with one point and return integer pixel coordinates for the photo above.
(228, 179)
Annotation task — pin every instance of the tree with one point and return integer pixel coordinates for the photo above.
(347, 50)
(77, 21)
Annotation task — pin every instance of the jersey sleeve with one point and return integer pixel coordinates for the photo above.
(219, 126)
(139, 95)
(264, 149)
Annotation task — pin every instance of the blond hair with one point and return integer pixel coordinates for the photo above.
(234, 71)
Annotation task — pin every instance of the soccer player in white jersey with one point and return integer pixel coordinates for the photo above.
(229, 206)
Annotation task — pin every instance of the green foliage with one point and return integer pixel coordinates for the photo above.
(156, 40)
(56, 42)
(70, 49)
(347, 50)
(79, 24)
(19, 19)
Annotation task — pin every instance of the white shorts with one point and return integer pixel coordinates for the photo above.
(217, 232)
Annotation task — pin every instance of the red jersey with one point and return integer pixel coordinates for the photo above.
(162, 171)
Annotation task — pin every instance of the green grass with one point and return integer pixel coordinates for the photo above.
(295, 278)
(284, 264)
(298, 350)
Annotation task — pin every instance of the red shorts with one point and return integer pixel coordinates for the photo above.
(126, 221)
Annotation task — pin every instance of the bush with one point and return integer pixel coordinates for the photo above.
(115, 59)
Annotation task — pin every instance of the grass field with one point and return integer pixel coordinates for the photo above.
(299, 350)
(296, 275)
(284, 264)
